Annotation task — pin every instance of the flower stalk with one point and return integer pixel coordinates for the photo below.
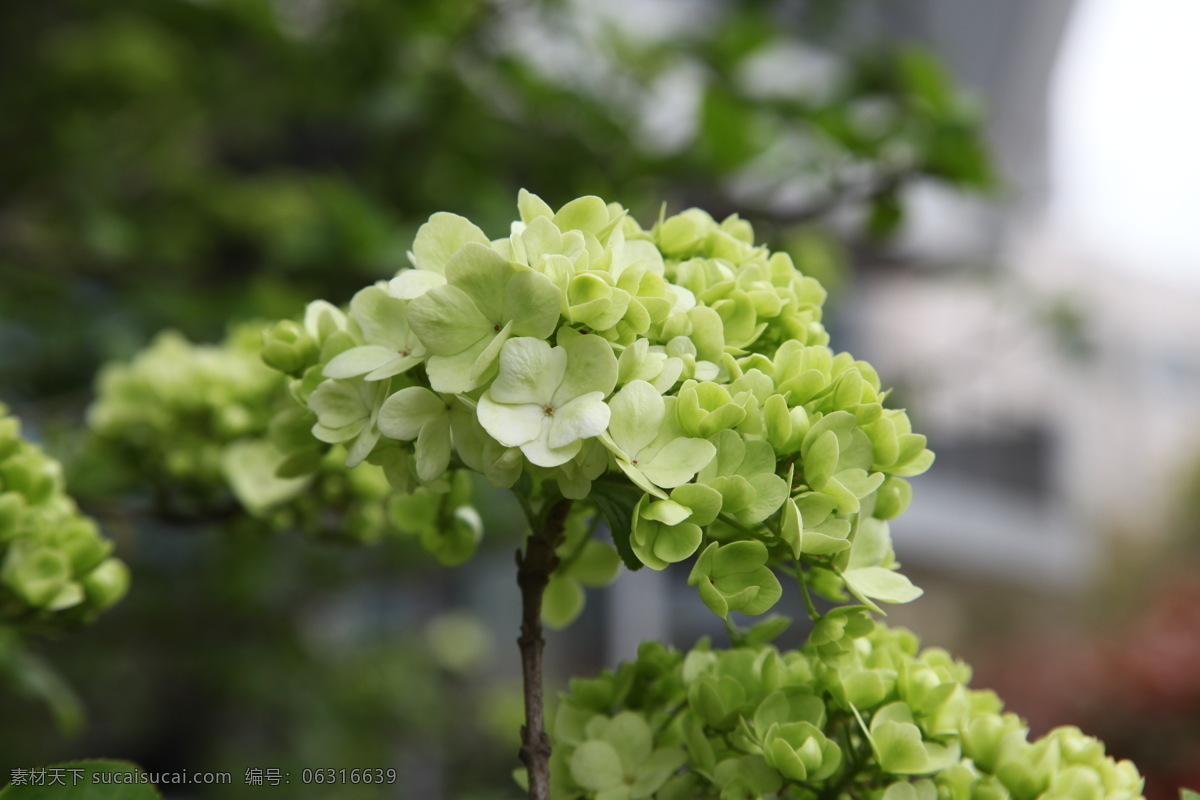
(534, 568)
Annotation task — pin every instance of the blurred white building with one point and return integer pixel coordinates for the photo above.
(1052, 353)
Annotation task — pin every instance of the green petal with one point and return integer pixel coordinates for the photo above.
(667, 512)
(441, 237)
(899, 747)
(404, 413)
(582, 418)
(531, 302)
(362, 446)
(595, 766)
(511, 425)
(530, 206)
(590, 366)
(541, 238)
(381, 318)
(358, 361)
(637, 414)
(562, 601)
(539, 452)
(447, 321)
(456, 374)
(588, 213)
(678, 461)
(433, 448)
(412, 283)
(881, 584)
(530, 372)
(338, 404)
(769, 592)
(744, 556)
(483, 275)
(631, 737)
(675, 543)
(661, 765)
(249, 465)
(704, 501)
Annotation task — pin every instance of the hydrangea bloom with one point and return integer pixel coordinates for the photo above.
(54, 564)
(859, 712)
(676, 380)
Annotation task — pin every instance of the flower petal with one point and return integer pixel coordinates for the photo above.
(407, 411)
(357, 361)
(441, 237)
(582, 418)
(637, 413)
(511, 425)
(530, 371)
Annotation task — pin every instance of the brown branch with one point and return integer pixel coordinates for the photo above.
(534, 568)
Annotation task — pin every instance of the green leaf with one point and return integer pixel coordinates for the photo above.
(85, 784)
(615, 502)
(766, 631)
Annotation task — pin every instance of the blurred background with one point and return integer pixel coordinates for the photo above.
(1002, 198)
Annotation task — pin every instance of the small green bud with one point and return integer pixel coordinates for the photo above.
(288, 348)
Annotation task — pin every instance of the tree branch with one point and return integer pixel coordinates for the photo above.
(534, 567)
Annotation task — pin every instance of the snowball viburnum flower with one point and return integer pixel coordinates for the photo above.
(650, 446)
(465, 323)
(390, 345)
(548, 400)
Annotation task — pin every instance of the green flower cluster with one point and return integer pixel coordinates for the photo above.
(858, 713)
(675, 380)
(54, 564)
(199, 424)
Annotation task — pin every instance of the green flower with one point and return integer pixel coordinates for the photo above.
(547, 400)
(619, 761)
(440, 238)
(486, 300)
(734, 577)
(667, 531)
(650, 445)
(417, 413)
(744, 473)
(347, 411)
(390, 346)
(800, 751)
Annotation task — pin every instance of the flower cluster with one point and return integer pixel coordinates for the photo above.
(675, 380)
(199, 423)
(859, 712)
(54, 564)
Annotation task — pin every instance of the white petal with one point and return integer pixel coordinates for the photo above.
(413, 283)
(582, 418)
(511, 425)
(540, 453)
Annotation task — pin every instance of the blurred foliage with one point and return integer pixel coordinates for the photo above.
(186, 164)
(359, 678)
(169, 163)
